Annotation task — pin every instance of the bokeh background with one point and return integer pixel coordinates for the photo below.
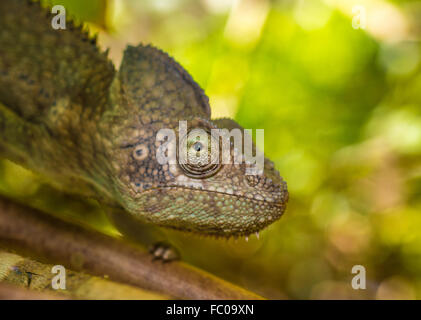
(338, 93)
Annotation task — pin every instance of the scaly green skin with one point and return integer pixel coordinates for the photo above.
(66, 113)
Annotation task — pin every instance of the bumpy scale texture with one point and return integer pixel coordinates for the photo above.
(67, 114)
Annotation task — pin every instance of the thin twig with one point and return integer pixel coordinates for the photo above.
(50, 240)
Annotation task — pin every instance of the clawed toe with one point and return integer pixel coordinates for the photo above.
(164, 251)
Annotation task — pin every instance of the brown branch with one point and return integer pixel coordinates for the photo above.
(9, 292)
(43, 237)
(30, 274)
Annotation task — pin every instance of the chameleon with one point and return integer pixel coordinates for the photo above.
(68, 114)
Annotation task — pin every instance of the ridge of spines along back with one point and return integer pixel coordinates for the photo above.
(72, 24)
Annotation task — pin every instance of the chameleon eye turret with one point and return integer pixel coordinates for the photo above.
(199, 155)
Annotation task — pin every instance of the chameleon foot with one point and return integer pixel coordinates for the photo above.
(163, 251)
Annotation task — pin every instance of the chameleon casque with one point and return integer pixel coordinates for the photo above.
(66, 113)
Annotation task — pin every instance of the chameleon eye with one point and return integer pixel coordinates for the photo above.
(140, 152)
(199, 154)
(197, 146)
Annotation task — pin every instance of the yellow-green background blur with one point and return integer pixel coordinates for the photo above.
(341, 110)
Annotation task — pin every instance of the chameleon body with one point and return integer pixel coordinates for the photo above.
(66, 113)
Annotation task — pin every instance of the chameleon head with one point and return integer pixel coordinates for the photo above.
(196, 190)
(205, 191)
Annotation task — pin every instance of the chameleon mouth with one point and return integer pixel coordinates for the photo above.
(211, 213)
(275, 201)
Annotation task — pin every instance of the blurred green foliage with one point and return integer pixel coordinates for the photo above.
(341, 109)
